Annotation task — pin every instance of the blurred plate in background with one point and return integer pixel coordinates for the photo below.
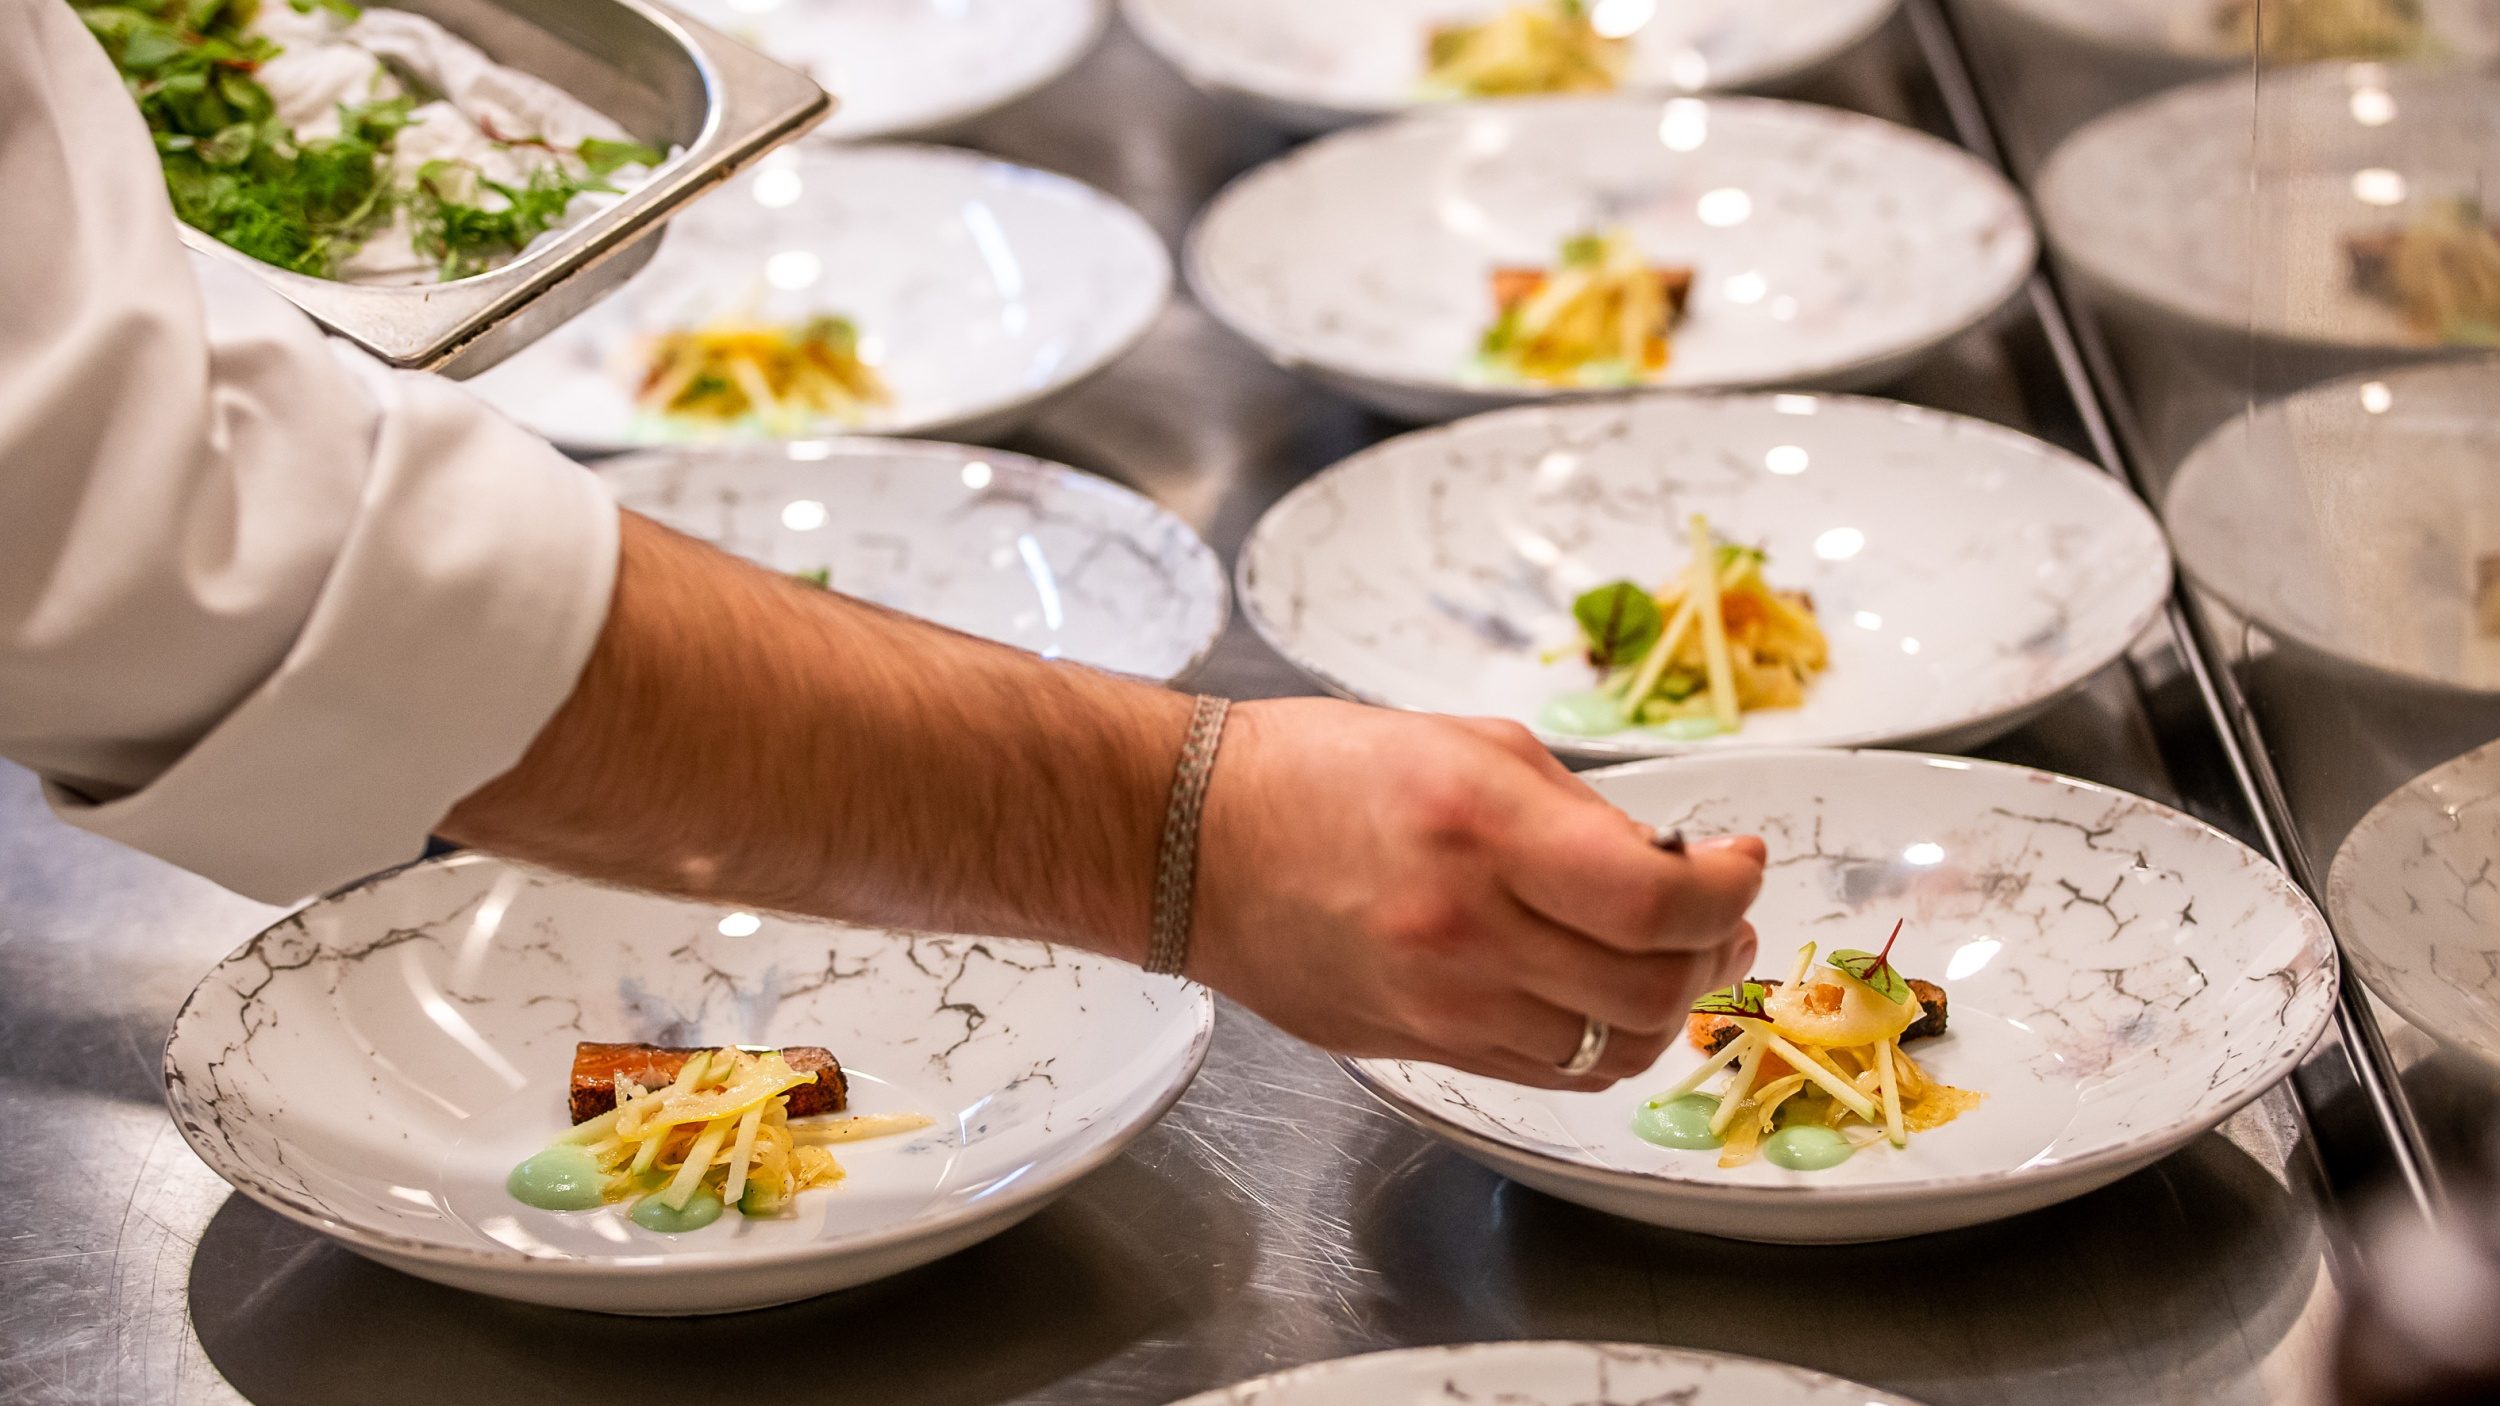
(1316, 64)
(1549, 1374)
(914, 67)
(2415, 891)
(1830, 250)
(979, 289)
(1013, 549)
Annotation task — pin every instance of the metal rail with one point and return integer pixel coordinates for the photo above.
(2085, 366)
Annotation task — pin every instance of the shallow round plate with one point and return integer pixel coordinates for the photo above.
(2204, 208)
(2415, 891)
(1549, 1374)
(914, 67)
(2189, 32)
(1831, 250)
(2122, 978)
(1966, 575)
(2351, 519)
(373, 1066)
(1315, 64)
(980, 290)
(994, 544)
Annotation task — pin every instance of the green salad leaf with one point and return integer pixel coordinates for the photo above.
(1620, 620)
(1875, 968)
(1745, 998)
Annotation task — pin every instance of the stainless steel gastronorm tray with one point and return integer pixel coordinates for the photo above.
(666, 79)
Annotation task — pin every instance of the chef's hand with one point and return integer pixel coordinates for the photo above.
(1388, 884)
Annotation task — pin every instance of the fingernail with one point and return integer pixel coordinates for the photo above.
(1672, 841)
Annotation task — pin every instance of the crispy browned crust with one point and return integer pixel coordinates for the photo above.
(596, 1067)
(1710, 1033)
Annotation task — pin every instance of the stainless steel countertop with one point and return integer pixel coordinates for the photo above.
(1276, 1217)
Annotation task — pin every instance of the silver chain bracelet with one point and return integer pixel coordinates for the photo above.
(1176, 865)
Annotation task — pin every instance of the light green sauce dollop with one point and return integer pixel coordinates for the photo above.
(1682, 1123)
(701, 1210)
(1590, 714)
(1806, 1147)
(561, 1178)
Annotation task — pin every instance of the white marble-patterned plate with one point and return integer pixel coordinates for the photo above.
(1317, 64)
(1549, 1374)
(914, 67)
(374, 1065)
(1831, 250)
(2225, 206)
(981, 290)
(2415, 891)
(2122, 978)
(2190, 34)
(1966, 575)
(2353, 519)
(1010, 548)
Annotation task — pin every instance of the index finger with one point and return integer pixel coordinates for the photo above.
(1589, 867)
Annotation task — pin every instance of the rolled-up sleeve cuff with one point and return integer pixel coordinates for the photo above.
(457, 620)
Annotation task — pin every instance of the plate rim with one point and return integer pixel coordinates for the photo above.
(956, 114)
(1303, 1373)
(1012, 461)
(2139, 1151)
(1197, 277)
(1022, 1197)
(1151, 29)
(2340, 881)
(2049, 456)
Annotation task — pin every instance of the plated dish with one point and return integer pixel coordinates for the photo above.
(2416, 897)
(2121, 978)
(2363, 178)
(1311, 65)
(2358, 521)
(1884, 575)
(911, 68)
(1825, 249)
(995, 288)
(376, 1066)
(1010, 548)
(1549, 1374)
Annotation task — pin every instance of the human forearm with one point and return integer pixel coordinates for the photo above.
(740, 737)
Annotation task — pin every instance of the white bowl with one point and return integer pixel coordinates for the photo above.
(981, 290)
(1317, 64)
(2415, 891)
(2223, 208)
(916, 68)
(1549, 1374)
(373, 1066)
(2122, 978)
(2349, 519)
(1966, 575)
(2185, 32)
(1832, 250)
(1010, 548)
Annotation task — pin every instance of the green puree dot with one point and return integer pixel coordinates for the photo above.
(1583, 715)
(1806, 1147)
(558, 1179)
(1682, 1123)
(701, 1210)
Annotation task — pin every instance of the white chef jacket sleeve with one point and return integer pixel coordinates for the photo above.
(267, 610)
